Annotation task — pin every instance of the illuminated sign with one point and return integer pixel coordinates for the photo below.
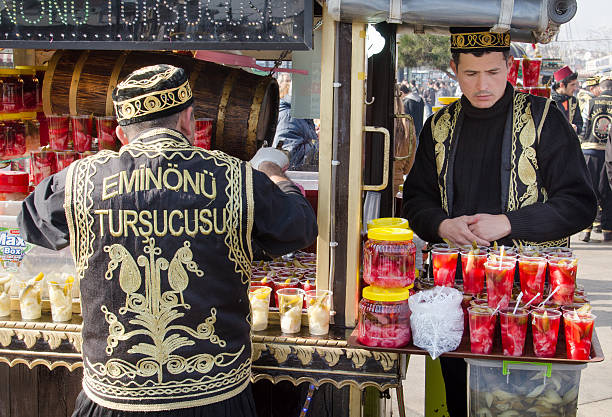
(156, 24)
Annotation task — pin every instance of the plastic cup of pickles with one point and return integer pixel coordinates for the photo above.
(60, 296)
(30, 301)
(290, 302)
(318, 303)
(5, 298)
(259, 296)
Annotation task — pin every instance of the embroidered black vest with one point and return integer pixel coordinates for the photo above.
(599, 124)
(160, 233)
(520, 176)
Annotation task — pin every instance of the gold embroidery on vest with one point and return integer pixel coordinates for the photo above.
(154, 313)
(443, 132)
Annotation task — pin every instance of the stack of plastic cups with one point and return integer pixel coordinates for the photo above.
(389, 268)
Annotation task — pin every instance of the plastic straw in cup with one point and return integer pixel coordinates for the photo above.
(501, 256)
(518, 300)
(531, 301)
(548, 298)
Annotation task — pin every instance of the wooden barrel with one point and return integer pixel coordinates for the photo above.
(243, 105)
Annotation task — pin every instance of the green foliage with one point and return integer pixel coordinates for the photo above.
(425, 50)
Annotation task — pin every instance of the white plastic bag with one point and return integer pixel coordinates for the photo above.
(437, 320)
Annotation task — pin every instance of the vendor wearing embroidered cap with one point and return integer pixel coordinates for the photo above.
(566, 84)
(590, 89)
(496, 165)
(597, 135)
(161, 233)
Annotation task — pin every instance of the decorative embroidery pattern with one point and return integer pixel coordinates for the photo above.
(443, 132)
(153, 102)
(480, 40)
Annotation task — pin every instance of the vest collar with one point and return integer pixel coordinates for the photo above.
(172, 134)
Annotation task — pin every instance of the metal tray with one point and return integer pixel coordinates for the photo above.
(463, 351)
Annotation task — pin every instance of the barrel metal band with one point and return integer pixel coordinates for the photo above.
(74, 84)
(260, 91)
(114, 79)
(48, 82)
(227, 90)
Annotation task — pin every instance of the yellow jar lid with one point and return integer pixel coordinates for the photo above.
(390, 233)
(386, 294)
(396, 222)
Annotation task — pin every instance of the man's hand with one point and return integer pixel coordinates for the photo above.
(575, 127)
(273, 171)
(491, 227)
(458, 231)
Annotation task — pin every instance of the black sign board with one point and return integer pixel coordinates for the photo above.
(156, 24)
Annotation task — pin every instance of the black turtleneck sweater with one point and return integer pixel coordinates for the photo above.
(477, 173)
(477, 178)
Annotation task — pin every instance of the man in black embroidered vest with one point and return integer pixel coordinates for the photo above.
(566, 84)
(596, 135)
(161, 236)
(496, 165)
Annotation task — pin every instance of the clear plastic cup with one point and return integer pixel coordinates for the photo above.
(64, 158)
(259, 296)
(532, 272)
(203, 133)
(513, 330)
(482, 329)
(500, 276)
(472, 267)
(30, 300)
(42, 165)
(545, 330)
(58, 132)
(60, 297)
(81, 133)
(578, 334)
(5, 298)
(290, 309)
(319, 305)
(444, 266)
(531, 72)
(562, 275)
(107, 137)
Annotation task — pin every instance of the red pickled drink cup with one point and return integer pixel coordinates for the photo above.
(513, 330)
(107, 136)
(65, 158)
(58, 132)
(513, 73)
(482, 328)
(541, 91)
(280, 283)
(545, 330)
(532, 272)
(472, 266)
(444, 266)
(500, 277)
(531, 72)
(558, 252)
(562, 279)
(81, 133)
(578, 333)
(203, 133)
(42, 165)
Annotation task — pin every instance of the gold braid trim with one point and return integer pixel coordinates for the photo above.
(478, 40)
(443, 131)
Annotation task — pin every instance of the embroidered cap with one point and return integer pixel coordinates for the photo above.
(592, 81)
(150, 93)
(478, 39)
(563, 73)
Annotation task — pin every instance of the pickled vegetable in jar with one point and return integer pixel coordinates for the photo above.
(389, 257)
(12, 91)
(384, 317)
(14, 185)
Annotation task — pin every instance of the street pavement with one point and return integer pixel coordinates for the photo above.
(595, 399)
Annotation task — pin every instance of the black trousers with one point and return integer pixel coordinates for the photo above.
(595, 161)
(454, 372)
